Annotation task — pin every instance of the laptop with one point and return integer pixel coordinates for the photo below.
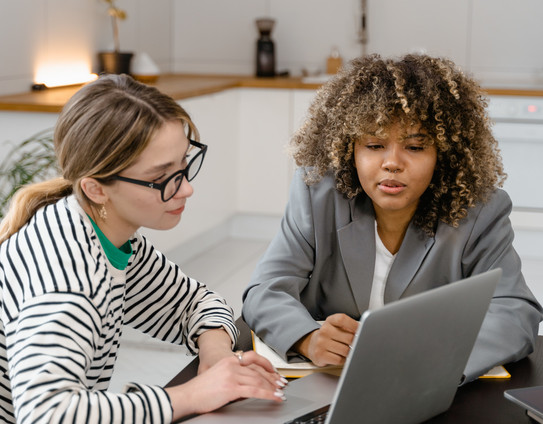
(406, 364)
(529, 398)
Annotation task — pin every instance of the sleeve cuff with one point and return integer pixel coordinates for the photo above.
(154, 400)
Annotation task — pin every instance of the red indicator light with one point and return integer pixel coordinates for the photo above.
(532, 108)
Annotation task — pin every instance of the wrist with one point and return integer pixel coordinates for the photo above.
(302, 345)
(216, 338)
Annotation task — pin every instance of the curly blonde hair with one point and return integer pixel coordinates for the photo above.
(370, 94)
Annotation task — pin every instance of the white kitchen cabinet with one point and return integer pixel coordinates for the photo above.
(301, 101)
(263, 162)
(268, 119)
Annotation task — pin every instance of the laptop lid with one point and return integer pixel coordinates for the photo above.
(405, 366)
(409, 357)
(529, 398)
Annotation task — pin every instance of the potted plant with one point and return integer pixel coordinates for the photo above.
(31, 161)
(115, 62)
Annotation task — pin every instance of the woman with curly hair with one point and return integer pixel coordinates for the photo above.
(397, 192)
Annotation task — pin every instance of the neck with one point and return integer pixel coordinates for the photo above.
(113, 232)
(391, 228)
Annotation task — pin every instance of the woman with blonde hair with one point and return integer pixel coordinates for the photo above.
(74, 269)
(397, 193)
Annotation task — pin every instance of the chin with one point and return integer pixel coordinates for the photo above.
(164, 225)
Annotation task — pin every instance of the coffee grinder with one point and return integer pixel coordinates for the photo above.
(265, 50)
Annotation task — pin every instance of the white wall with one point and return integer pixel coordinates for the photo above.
(67, 33)
(498, 40)
(18, 126)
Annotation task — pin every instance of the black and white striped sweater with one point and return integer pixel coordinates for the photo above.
(62, 309)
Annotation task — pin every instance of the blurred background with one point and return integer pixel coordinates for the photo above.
(498, 40)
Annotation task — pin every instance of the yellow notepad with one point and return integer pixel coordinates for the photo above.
(497, 372)
(294, 368)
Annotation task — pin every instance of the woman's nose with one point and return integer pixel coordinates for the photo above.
(392, 161)
(185, 190)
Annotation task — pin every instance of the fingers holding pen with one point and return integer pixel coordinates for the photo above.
(338, 332)
(331, 343)
(343, 323)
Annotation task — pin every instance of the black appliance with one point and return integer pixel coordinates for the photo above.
(265, 49)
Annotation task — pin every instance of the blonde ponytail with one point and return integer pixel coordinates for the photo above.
(27, 200)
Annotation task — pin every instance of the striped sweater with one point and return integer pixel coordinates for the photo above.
(62, 309)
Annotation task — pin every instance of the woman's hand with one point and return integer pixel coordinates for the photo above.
(330, 344)
(240, 375)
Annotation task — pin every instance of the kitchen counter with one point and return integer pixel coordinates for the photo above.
(182, 86)
(178, 86)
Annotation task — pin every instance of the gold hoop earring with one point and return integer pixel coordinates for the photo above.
(103, 212)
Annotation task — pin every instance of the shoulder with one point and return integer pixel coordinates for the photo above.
(63, 221)
(320, 203)
(497, 204)
(488, 218)
(321, 189)
(58, 249)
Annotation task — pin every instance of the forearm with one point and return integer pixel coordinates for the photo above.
(213, 346)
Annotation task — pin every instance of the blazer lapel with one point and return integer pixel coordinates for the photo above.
(413, 250)
(357, 246)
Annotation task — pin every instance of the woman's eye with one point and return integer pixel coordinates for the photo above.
(415, 148)
(156, 180)
(374, 146)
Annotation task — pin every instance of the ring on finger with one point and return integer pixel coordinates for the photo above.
(239, 354)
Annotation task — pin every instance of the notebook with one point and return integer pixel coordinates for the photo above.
(405, 366)
(529, 398)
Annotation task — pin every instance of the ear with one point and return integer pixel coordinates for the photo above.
(94, 190)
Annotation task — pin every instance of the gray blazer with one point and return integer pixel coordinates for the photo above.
(322, 260)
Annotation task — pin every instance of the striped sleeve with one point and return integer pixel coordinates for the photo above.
(166, 304)
(51, 348)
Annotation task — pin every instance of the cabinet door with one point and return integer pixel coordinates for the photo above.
(263, 162)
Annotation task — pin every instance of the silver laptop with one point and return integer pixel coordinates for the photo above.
(529, 398)
(405, 366)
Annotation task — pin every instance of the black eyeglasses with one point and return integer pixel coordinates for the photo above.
(170, 186)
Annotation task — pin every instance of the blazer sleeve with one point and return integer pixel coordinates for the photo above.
(511, 325)
(271, 302)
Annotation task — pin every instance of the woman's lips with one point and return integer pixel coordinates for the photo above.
(177, 211)
(391, 186)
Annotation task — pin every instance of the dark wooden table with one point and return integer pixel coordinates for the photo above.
(478, 402)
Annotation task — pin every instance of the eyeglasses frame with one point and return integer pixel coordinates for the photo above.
(184, 172)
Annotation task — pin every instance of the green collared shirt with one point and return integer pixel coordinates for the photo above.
(118, 256)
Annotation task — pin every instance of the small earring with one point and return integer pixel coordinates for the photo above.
(103, 212)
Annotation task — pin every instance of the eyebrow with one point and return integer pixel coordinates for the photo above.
(157, 168)
(164, 166)
(415, 135)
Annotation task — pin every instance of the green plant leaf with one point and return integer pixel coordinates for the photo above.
(30, 161)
